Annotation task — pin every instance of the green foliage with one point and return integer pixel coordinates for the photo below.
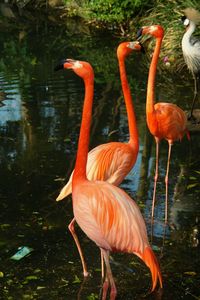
(115, 11)
(92, 296)
(127, 14)
(168, 14)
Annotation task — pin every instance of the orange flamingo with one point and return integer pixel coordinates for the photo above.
(165, 120)
(111, 161)
(106, 214)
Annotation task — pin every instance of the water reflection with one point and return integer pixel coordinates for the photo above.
(11, 102)
(39, 127)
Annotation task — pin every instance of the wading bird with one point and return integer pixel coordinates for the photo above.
(165, 120)
(106, 214)
(191, 50)
(111, 161)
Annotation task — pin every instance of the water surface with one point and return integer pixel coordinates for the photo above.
(39, 127)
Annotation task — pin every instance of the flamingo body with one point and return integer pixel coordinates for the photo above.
(165, 120)
(113, 221)
(107, 215)
(168, 122)
(108, 162)
(113, 161)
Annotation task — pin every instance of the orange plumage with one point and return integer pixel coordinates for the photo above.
(106, 214)
(112, 161)
(108, 162)
(165, 120)
(114, 222)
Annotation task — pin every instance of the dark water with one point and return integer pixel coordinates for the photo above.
(39, 126)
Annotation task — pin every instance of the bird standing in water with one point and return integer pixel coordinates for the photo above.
(112, 161)
(165, 120)
(191, 50)
(106, 214)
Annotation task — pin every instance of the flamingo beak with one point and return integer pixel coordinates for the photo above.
(65, 64)
(60, 66)
(137, 46)
(139, 34)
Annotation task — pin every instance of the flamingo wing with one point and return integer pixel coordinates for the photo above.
(113, 221)
(110, 217)
(169, 122)
(108, 162)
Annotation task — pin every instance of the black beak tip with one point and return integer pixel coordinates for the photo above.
(58, 67)
(139, 34)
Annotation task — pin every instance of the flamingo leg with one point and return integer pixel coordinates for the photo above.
(155, 177)
(102, 266)
(109, 276)
(72, 230)
(166, 181)
(105, 288)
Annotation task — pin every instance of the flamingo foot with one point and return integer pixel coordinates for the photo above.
(105, 289)
(113, 293)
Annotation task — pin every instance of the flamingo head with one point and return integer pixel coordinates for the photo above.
(126, 48)
(156, 31)
(81, 68)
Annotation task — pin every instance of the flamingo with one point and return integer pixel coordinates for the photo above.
(191, 50)
(105, 213)
(165, 120)
(111, 161)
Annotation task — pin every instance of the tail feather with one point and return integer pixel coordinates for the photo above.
(150, 260)
(66, 190)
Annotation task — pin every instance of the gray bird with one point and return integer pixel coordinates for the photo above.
(191, 50)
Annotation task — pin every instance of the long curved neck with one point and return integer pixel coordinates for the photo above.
(151, 78)
(133, 131)
(84, 136)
